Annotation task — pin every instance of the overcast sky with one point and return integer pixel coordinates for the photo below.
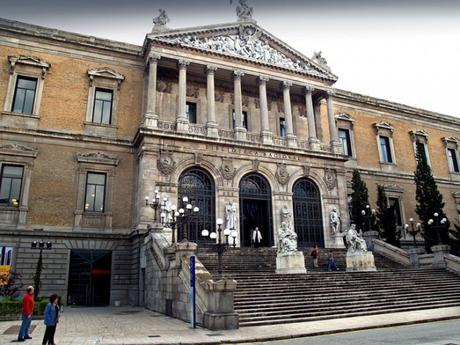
(406, 51)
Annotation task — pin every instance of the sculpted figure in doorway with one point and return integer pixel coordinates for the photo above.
(230, 215)
(334, 220)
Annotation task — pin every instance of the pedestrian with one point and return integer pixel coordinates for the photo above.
(256, 237)
(51, 320)
(28, 305)
(331, 264)
(315, 254)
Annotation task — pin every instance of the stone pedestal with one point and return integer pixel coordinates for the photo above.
(182, 125)
(315, 144)
(220, 314)
(212, 130)
(413, 256)
(151, 121)
(290, 263)
(240, 133)
(438, 255)
(337, 240)
(360, 262)
(266, 137)
(291, 140)
(369, 236)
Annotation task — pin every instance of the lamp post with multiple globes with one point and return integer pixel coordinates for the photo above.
(413, 229)
(367, 214)
(220, 246)
(172, 217)
(437, 225)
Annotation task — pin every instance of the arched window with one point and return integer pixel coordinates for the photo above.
(198, 185)
(308, 221)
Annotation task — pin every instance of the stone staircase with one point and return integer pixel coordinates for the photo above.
(264, 297)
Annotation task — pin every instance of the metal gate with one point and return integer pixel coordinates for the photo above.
(198, 186)
(308, 220)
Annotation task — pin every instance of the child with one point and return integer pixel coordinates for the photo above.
(51, 319)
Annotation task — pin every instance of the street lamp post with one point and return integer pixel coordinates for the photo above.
(220, 246)
(413, 229)
(171, 217)
(154, 203)
(367, 214)
(39, 245)
(233, 234)
(437, 225)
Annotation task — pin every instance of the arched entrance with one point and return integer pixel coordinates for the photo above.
(308, 220)
(198, 185)
(255, 209)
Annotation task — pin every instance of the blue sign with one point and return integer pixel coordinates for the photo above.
(193, 291)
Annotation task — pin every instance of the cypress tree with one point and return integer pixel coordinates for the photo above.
(359, 200)
(386, 223)
(429, 199)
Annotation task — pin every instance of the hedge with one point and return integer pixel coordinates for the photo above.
(14, 307)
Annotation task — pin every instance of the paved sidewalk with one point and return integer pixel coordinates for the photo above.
(125, 325)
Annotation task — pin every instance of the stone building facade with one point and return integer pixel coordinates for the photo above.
(227, 113)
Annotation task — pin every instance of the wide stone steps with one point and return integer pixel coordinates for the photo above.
(287, 318)
(271, 299)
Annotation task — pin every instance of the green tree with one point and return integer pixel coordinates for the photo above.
(359, 200)
(454, 240)
(386, 222)
(429, 199)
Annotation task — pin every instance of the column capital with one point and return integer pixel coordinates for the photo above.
(263, 79)
(287, 84)
(330, 92)
(211, 68)
(309, 89)
(237, 74)
(153, 57)
(183, 63)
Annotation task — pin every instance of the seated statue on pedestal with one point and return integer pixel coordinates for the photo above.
(355, 243)
(287, 239)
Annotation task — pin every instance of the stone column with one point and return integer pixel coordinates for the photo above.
(265, 134)
(333, 132)
(240, 131)
(182, 122)
(291, 138)
(211, 124)
(151, 115)
(312, 137)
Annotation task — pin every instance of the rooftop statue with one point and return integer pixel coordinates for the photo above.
(161, 20)
(243, 11)
(320, 59)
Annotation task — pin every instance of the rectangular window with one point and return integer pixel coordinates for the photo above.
(422, 148)
(95, 192)
(102, 110)
(11, 182)
(344, 137)
(394, 204)
(385, 149)
(453, 163)
(244, 118)
(24, 95)
(6, 256)
(282, 127)
(190, 109)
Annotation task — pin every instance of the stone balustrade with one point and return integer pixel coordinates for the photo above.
(452, 263)
(391, 252)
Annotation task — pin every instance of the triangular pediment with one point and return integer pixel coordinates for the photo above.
(105, 72)
(245, 41)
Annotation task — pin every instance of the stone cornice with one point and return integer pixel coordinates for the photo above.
(385, 105)
(37, 31)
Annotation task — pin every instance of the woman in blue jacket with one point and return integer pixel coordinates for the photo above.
(51, 319)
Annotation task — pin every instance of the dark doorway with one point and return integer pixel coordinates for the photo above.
(255, 209)
(89, 277)
(308, 219)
